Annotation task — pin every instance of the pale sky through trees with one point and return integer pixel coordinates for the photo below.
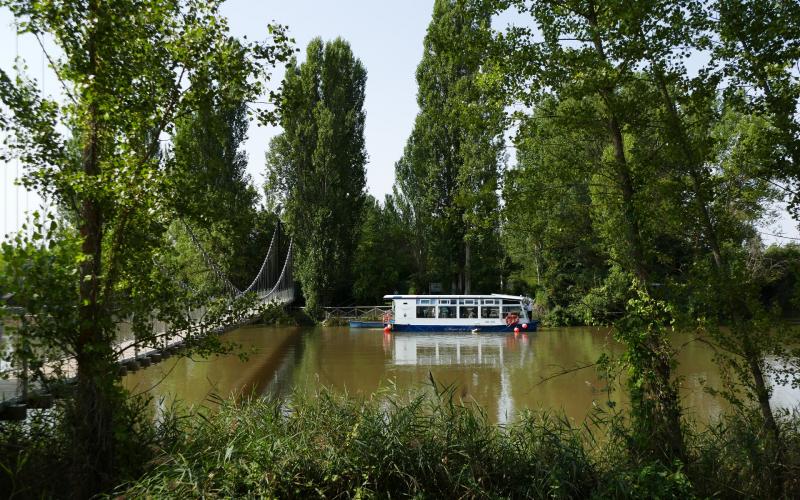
(386, 36)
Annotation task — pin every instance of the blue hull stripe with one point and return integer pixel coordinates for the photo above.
(532, 326)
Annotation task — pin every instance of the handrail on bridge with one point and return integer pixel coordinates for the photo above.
(356, 312)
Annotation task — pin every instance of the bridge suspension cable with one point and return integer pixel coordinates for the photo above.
(261, 283)
(223, 279)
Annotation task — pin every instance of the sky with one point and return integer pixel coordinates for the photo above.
(386, 36)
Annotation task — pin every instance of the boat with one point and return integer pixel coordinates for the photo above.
(366, 324)
(459, 313)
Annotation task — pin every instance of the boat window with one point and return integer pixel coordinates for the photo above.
(490, 312)
(511, 302)
(468, 312)
(491, 301)
(512, 310)
(468, 301)
(447, 301)
(426, 312)
(447, 311)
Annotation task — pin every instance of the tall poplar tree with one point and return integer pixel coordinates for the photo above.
(315, 167)
(448, 175)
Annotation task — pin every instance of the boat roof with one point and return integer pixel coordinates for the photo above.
(456, 296)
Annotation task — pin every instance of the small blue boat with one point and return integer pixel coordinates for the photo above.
(366, 324)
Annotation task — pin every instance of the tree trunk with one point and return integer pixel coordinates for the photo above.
(625, 182)
(467, 270)
(667, 407)
(93, 446)
(624, 178)
(752, 358)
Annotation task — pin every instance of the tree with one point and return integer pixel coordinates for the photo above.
(447, 177)
(689, 169)
(128, 71)
(315, 167)
(384, 257)
(212, 190)
(574, 58)
(548, 199)
(757, 47)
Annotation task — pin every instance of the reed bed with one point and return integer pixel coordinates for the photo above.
(424, 445)
(428, 445)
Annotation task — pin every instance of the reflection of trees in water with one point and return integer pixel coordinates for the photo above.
(279, 382)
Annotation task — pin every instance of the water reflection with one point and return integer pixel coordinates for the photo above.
(448, 349)
(503, 373)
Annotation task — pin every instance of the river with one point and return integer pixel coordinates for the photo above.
(503, 373)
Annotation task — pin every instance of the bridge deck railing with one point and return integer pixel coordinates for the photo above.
(127, 348)
(364, 313)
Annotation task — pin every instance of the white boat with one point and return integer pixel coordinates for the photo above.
(459, 313)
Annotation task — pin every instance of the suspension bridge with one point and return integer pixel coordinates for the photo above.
(272, 284)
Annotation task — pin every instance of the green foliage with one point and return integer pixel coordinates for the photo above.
(36, 455)
(781, 289)
(332, 446)
(733, 457)
(649, 361)
(605, 304)
(129, 70)
(40, 261)
(424, 445)
(382, 260)
(211, 190)
(275, 314)
(764, 65)
(447, 178)
(315, 167)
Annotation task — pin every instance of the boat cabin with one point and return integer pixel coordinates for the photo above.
(459, 312)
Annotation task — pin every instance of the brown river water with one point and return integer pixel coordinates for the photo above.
(503, 373)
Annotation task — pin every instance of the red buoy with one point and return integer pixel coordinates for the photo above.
(525, 326)
(516, 329)
(387, 329)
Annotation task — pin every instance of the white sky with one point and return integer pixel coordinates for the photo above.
(386, 36)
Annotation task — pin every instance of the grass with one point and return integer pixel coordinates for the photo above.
(425, 445)
(338, 446)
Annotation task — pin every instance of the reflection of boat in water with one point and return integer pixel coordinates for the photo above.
(443, 349)
(460, 313)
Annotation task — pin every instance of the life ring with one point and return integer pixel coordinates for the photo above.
(511, 319)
